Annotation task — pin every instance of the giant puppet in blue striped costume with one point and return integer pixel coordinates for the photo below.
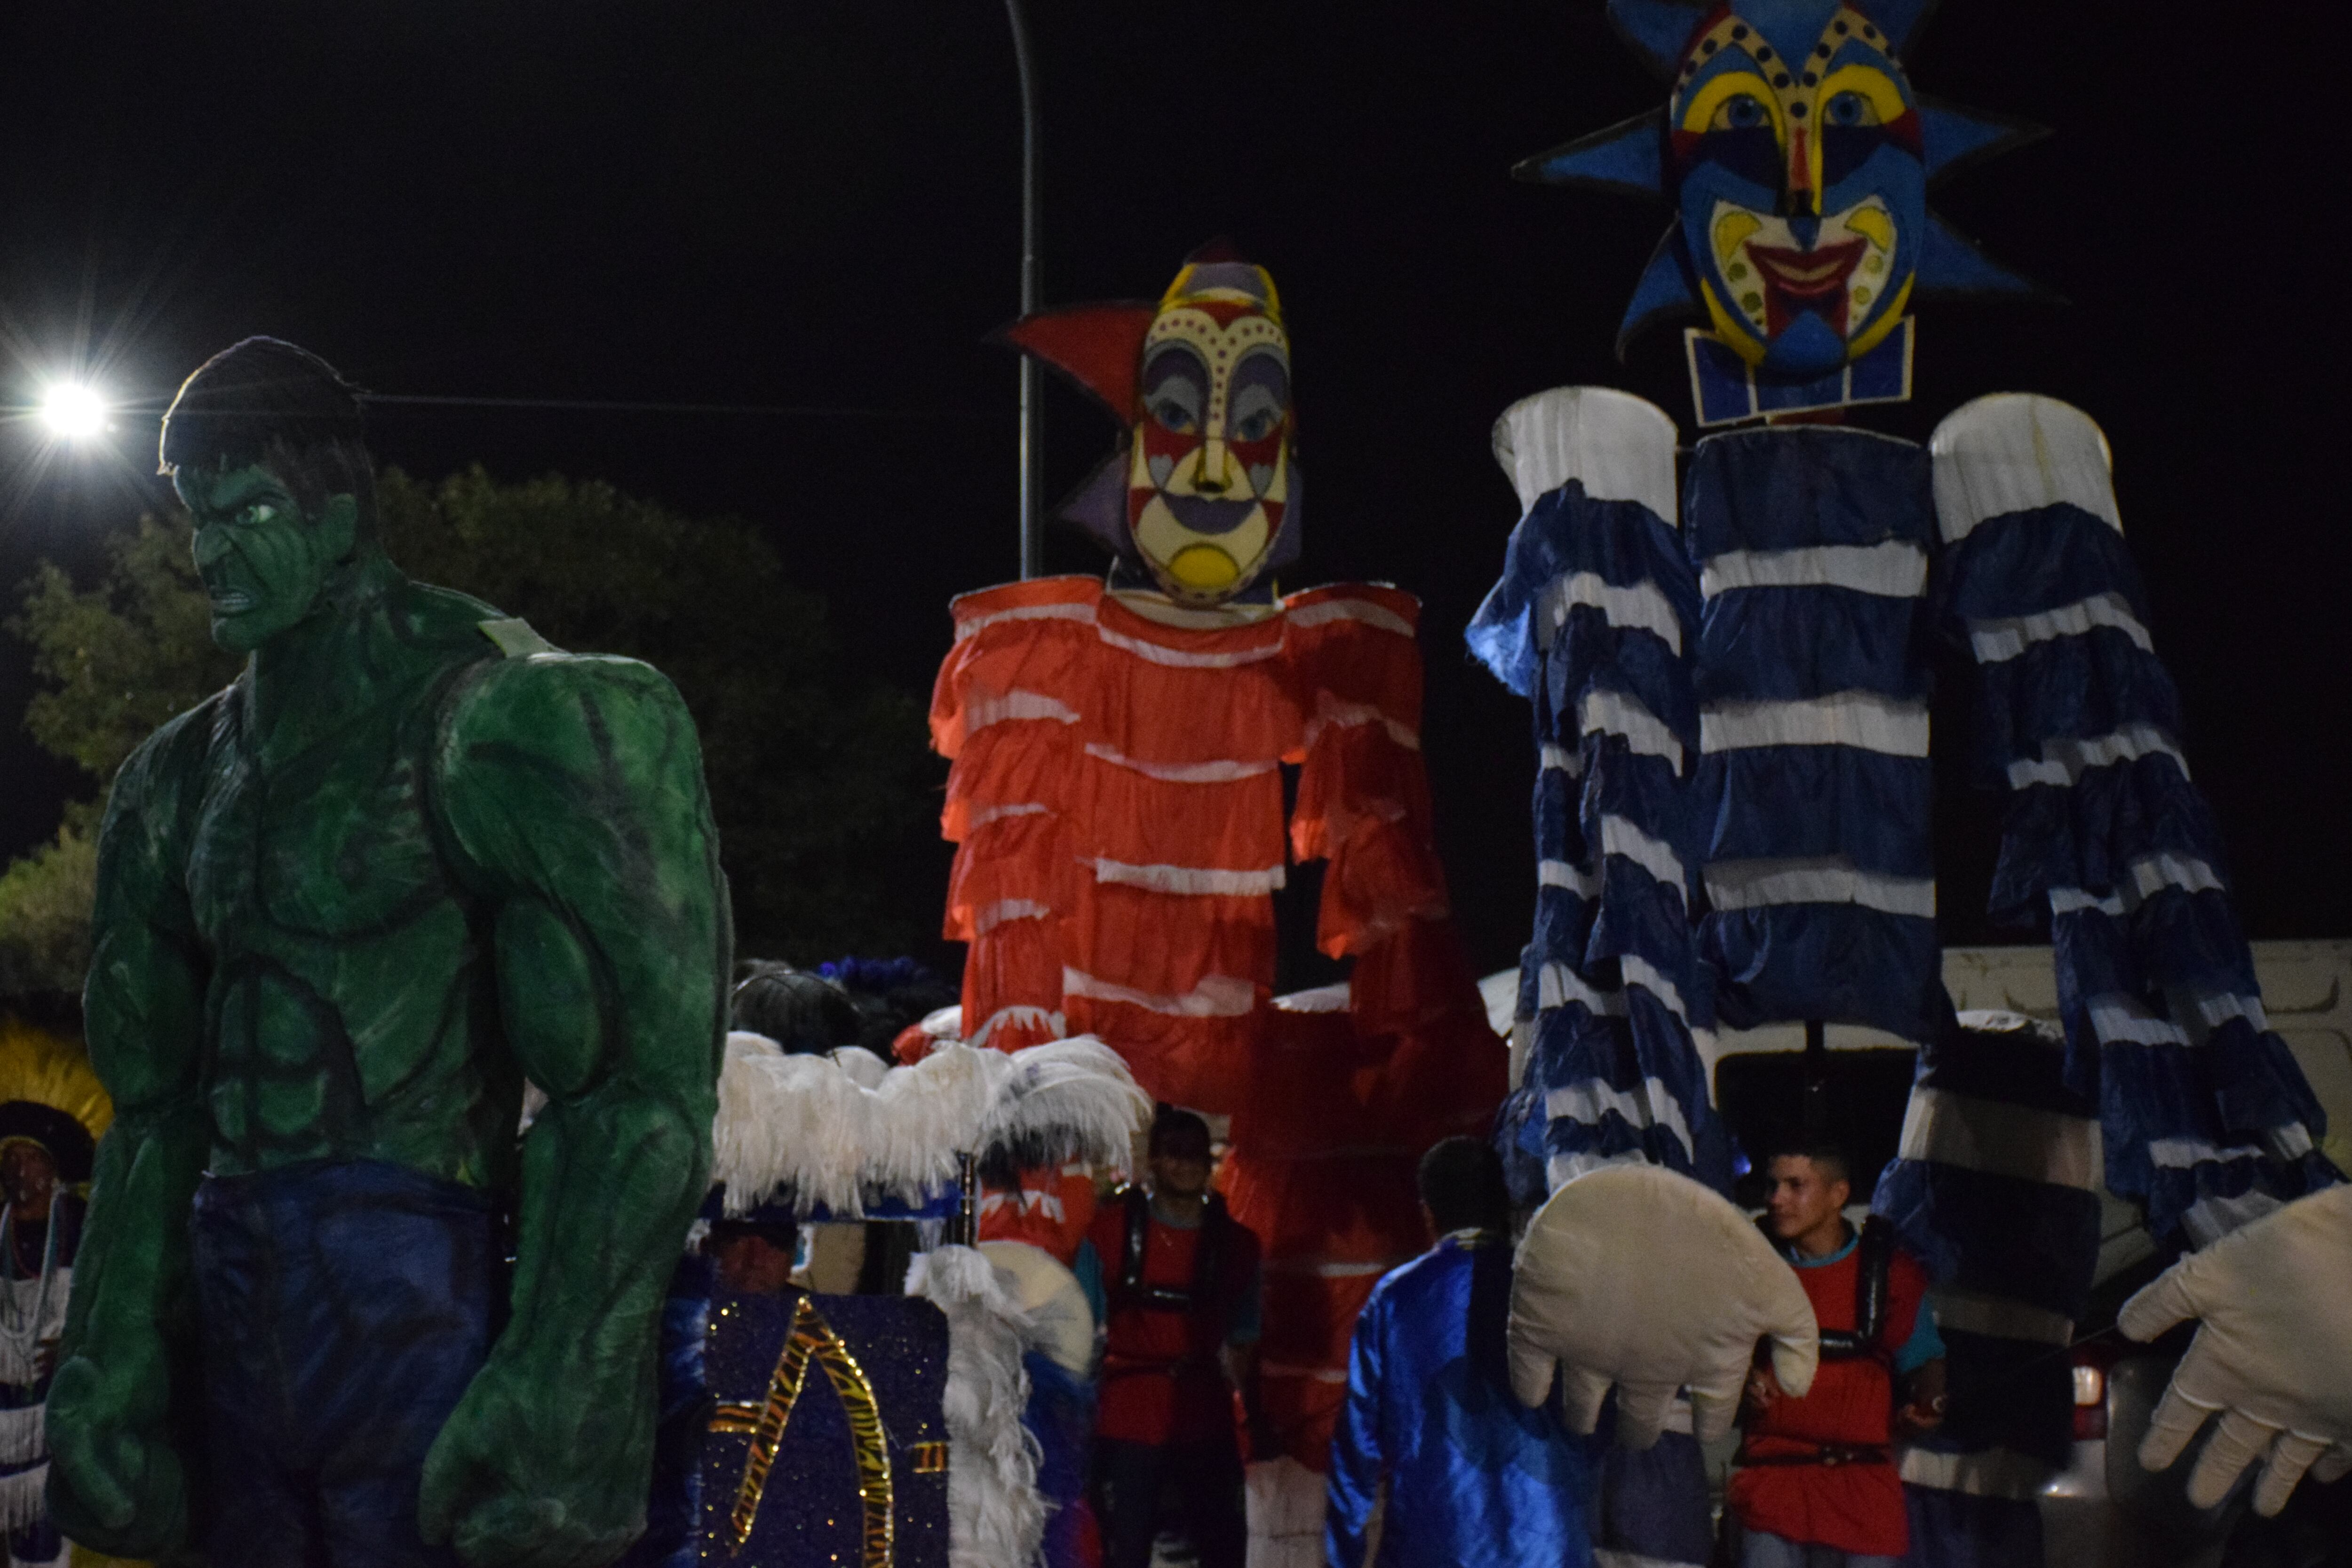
(1730, 678)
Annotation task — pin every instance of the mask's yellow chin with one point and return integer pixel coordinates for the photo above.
(1203, 568)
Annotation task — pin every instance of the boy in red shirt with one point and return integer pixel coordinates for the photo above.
(1817, 1485)
(1180, 1281)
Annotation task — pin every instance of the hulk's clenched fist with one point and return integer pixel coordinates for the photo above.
(411, 857)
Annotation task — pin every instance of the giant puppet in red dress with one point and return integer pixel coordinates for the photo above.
(1118, 792)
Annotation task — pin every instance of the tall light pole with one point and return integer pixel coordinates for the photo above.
(1033, 527)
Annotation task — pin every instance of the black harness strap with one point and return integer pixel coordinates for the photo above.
(1208, 1261)
(1877, 1247)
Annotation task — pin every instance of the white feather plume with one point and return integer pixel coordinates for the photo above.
(808, 1126)
(996, 1517)
(1074, 1099)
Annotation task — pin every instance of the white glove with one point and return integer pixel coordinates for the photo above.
(1635, 1276)
(2273, 1354)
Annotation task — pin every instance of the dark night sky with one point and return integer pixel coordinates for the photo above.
(817, 204)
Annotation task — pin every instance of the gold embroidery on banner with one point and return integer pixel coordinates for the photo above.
(929, 1458)
(810, 1337)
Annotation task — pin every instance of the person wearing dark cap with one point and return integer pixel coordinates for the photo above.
(411, 857)
(44, 1155)
(1181, 1279)
(1430, 1439)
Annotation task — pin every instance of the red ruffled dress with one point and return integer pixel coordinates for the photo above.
(1117, 798)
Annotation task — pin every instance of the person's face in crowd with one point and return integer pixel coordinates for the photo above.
(1804, 1200)
(1179, 1165)
(750, 1264)
(29, 1177)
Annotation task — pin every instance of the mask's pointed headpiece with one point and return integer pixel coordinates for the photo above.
(1203, 495)
(1697, 46)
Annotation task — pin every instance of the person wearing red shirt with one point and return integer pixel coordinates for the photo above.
(1179, 1279)
(1816, 1485)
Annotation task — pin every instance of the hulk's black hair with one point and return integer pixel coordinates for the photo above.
(1460, 1179)
(266, 401)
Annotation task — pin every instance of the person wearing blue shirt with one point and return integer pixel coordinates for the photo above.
(1430, 1439)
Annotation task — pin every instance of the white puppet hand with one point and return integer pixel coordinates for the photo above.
(1634, 1276)
(2273, 1354)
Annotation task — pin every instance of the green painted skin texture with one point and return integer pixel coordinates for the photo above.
(345, 907)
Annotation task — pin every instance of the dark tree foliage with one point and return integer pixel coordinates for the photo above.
(820, 777)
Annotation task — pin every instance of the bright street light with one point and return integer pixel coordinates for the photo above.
(73, 411)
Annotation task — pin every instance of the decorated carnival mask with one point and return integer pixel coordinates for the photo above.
(1797, 159)
(1203, 496)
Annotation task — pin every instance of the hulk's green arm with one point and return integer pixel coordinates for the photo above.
(117, 1483)
(571, 788)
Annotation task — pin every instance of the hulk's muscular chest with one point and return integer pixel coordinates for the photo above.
(346, 983)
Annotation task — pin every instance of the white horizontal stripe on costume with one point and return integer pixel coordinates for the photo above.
(2118, 1019)
(1216, 995)
(2065, 760)
(2292, 1141)
(1610, 1557)
(2208, 1220)
(1562, 1168)
(1825, 880)
(2143, 879)
(1360, 610)
(1639, 971)
(1020, 1017)
(1308, 1268)
(1584, 884)
(1608, 712)
(991, 916)
(1563, 759)
(1652, 1105)
(981, 818)
(2017, 451)
(1284, 1368)
(1864, 720)
(1329, 711)
(1332, 998)
(1023, 1200)
(2185, 1153)
(1996, 641)
(984, 710)
(1894, 570)
(1620, 837)
(1193, 880)
(2202, 1012)
(1027, 613)
(2001, 1318)
(2001, 1139)
(1178, 658)
(1988, 1472)
(1557, 986)
(1643, 606)
(1223, 771)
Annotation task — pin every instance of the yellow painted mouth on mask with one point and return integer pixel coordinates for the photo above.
(1203, 568)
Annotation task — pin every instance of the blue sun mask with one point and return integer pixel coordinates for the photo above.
(1798, 160)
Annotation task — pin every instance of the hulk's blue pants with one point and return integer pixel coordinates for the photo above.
(345, 1307)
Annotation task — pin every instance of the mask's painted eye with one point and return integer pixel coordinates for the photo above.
(1257, 405)
(1742, 112)
(262, 511)
(1850, 109)
(1172, 414)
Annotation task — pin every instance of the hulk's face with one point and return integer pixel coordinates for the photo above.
(266, 563)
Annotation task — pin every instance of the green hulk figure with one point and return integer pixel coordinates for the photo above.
(410, 858)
